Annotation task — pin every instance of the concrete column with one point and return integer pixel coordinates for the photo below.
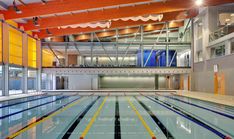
(25, 63)
(5, 53)
(39, 64)
(5, 71)
(53, 82)
(66, 56)
(228, 47)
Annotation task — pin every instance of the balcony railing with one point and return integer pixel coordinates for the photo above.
(225, 30)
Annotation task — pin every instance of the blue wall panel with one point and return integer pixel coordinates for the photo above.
(157, 59)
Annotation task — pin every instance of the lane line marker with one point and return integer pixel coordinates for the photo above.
(78, 118)
(117, 120)
(189, 117)
(166, 132)
(40, 120)
(17, 103)
(11, 114)
(85, 132)
(142, 120)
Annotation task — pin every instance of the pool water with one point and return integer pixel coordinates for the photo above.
(115, 117)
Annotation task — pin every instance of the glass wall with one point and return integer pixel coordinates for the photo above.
(15, 80)
(32, 80)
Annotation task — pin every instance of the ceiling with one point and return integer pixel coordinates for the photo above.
(47, 18)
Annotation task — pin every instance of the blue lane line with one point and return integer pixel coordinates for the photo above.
(4, 101)
(220, 113)
(23, 102)
(213, 104)
(8, 115)
(48, 114)
(194, 120)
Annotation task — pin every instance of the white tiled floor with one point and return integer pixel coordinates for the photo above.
(221, 99)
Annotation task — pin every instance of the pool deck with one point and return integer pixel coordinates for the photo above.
(220, 99)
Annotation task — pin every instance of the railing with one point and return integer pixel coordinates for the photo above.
(225, 30)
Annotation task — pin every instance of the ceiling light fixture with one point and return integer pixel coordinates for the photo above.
(43, 1)
(17, 10)
(199, 2)
(35, 21)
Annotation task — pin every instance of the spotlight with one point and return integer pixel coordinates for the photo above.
(35, 21)
(17, 10)
(43, 1)
(199, 2)
(48, 32)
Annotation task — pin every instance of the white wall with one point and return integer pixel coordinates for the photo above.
(83, 82)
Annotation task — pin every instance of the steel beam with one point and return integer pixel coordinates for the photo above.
(152, 49)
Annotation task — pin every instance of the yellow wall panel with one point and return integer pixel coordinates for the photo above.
(13, 23)
(47, 58)
(32, 52)
(15, 46)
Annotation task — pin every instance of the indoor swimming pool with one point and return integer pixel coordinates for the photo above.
(139, 116)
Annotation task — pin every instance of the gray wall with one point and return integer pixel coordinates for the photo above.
(83, 82)
(127, 82)
(203, 76)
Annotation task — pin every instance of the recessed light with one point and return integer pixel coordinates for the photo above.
(198, 2)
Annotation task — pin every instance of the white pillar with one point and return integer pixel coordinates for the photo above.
(25, 63)
(39, 65)
(5, 53)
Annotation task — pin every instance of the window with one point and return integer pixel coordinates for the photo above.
(232, 47)
(218, 51)
(199, 56)
(15, 80)
(32, 80)
(199, 29)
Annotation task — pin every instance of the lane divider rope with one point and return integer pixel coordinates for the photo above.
(46, 117)
(142, 120)
(11, 114)
(85, 132)
(189, 117)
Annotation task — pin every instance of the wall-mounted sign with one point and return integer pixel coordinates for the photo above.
(216, 68)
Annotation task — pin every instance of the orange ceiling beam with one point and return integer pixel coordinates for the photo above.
(61, 6)
(114, 13)
(180, 15)
(127, 31)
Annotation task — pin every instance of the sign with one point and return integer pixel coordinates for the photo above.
(216, 68)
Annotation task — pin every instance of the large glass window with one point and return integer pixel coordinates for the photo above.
(218, 51)
(199, 29)
(232, 46)
(32, 80)
(15, 80)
